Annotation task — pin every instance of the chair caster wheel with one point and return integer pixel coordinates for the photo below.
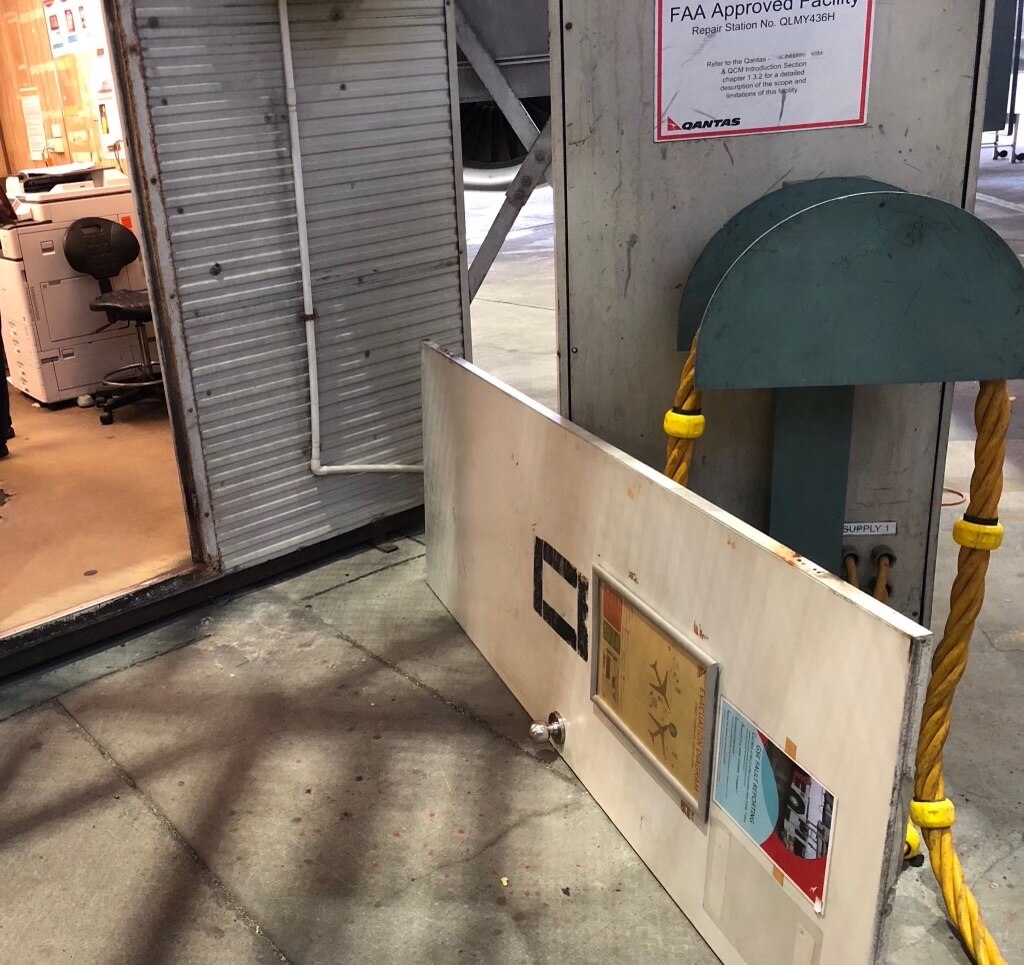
(107, 418)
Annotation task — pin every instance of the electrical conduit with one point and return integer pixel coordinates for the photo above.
(308, 309)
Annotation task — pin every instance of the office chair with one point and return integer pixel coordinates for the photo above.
(103, 248)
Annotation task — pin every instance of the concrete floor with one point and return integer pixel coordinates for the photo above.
(514, 322)
(86, 511)
(324, 770)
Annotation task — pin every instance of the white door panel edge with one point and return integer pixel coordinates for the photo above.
(525, 509)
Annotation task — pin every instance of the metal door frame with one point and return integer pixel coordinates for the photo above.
(95, 622)
(170, 329)
(61, 633)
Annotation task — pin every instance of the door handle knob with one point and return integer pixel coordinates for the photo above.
(553, 730)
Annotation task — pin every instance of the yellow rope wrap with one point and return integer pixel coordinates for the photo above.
(933, 814)
(683, 425)
(977, 536)
(931, 806)
(679, 454)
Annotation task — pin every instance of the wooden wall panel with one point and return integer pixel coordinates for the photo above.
(80, 124)
(754, 606)
(27, 67)
(12, 75)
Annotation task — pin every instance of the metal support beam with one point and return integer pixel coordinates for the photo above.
(531, 173)
(533, 169)
(490, 74)
(813, 428)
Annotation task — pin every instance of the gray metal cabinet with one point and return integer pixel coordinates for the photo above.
(206, 91)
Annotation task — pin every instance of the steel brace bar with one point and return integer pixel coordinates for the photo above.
(531, 173)
(490, 74)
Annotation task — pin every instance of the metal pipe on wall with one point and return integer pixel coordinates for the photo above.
(308, 308)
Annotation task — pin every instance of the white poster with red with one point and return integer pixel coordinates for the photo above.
(758, 67)
(69, 25)
(787, 812)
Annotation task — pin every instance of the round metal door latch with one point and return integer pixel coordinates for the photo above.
(553, 730)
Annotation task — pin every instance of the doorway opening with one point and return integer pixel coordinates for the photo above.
(91, 503)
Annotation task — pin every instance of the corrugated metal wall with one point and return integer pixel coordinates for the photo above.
(375, 117)
(372, 83)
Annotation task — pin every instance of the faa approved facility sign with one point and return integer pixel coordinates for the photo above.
(760, 66)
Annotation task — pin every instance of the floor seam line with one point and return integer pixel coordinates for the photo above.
(459, 708)
(502, 301)
(198, 637)
(88, 653)
(208, 874)
(383, 569)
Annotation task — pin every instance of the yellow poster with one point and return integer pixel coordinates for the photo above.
(656, 689)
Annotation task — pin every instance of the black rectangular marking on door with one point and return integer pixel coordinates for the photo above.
(577, 638)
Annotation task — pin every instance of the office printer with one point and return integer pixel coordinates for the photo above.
(54, 351)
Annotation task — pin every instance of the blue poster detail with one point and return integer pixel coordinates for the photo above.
(783, 809)
(744, 786)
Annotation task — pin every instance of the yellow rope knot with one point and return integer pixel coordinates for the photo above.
(912, 842)
(683, 425)
(933, 814)
(978, 534)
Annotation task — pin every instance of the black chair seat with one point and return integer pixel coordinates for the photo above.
(131, 306)
(103, 249)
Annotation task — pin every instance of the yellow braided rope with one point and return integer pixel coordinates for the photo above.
(992, 419)
(679, 454)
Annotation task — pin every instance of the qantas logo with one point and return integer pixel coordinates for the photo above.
(704, 123)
